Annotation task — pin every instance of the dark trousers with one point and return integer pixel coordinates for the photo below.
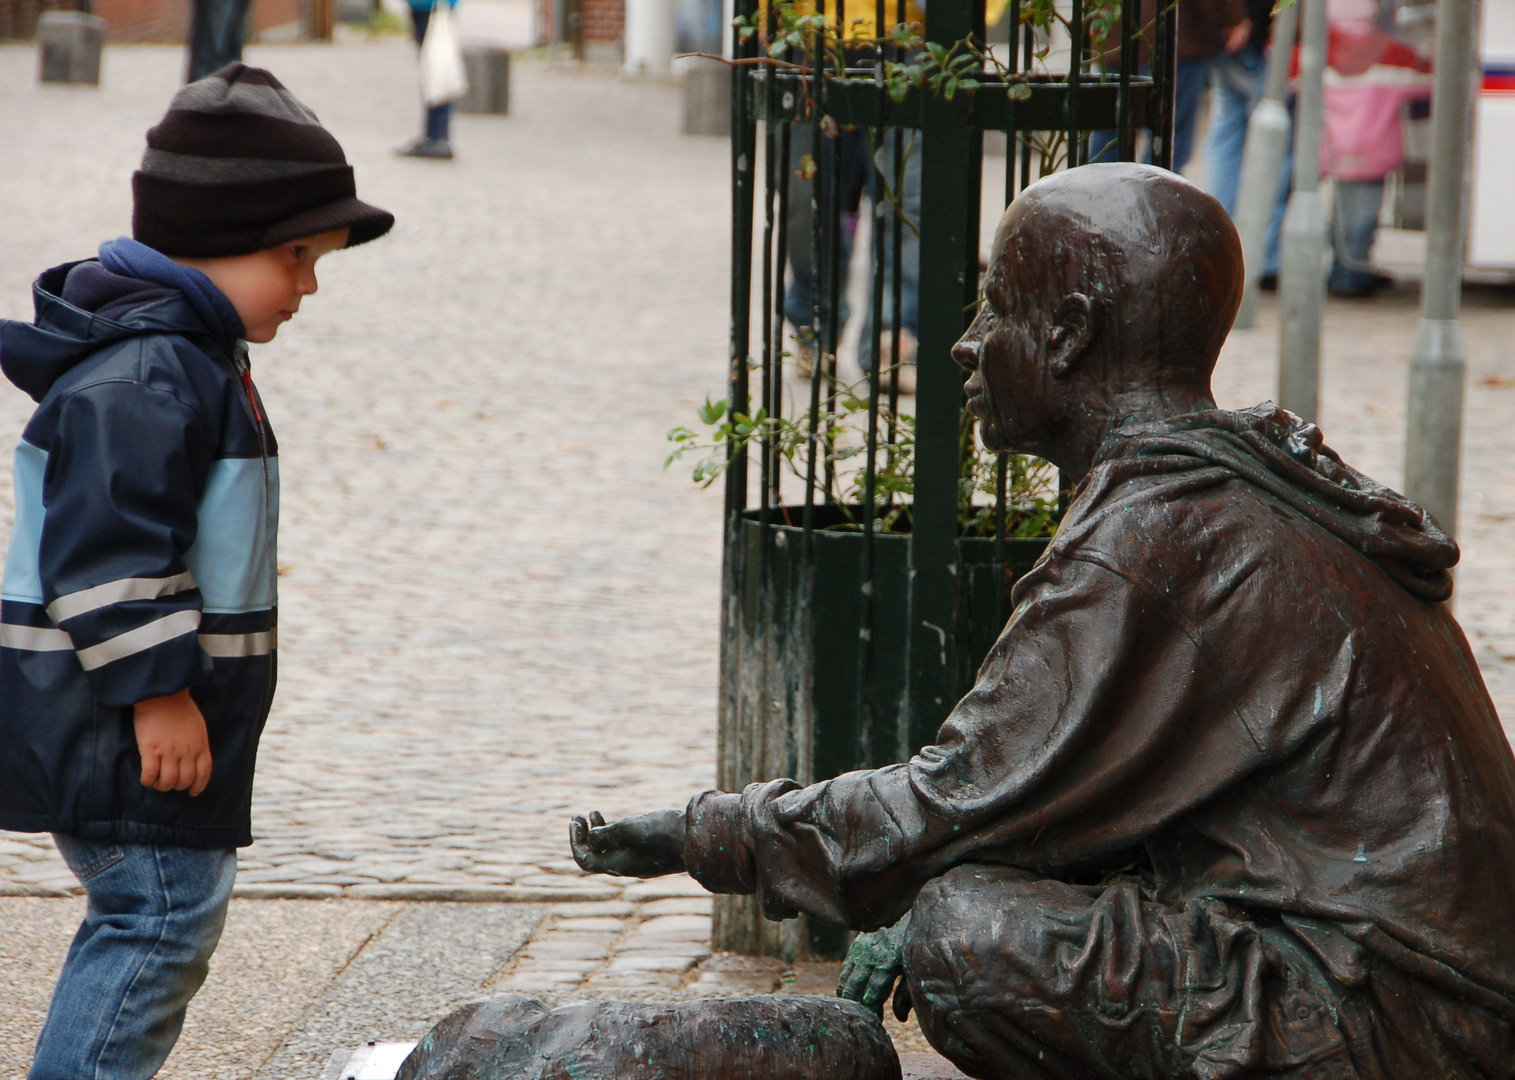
(215, 37)
(437, 121)
(1014, 975)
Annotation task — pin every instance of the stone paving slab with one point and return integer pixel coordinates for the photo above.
(498, 610)
(295, 982)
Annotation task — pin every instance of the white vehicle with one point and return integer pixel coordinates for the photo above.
(1491, 220)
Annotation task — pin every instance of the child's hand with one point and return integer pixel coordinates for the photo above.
(172, 741)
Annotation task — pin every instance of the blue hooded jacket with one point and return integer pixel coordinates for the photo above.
(142, 558)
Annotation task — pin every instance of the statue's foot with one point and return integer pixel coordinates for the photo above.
(776, 1037)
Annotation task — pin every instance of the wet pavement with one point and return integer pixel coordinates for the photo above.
(497, 609)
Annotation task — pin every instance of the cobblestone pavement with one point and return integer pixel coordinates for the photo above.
(497, 610)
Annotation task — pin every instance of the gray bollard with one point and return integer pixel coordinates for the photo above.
(705, 88)
(1302, 270)
(1261, 161)
(68, 46)
(488, 81)
(1438, 362)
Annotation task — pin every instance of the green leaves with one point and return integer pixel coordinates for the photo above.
(841, 442)
(712, 412)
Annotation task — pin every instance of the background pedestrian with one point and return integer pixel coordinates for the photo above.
(1369, 76)
(217, 28)
(435, 140)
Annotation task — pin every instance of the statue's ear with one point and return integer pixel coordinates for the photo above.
(1074, 329)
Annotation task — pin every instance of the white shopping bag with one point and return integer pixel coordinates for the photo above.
(443, 78)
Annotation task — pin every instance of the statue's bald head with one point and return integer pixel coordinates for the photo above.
(1111, 289)
(1158, 256)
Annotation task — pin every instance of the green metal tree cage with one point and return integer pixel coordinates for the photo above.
(845, 644)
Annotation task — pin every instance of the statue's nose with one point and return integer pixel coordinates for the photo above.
(966, 351)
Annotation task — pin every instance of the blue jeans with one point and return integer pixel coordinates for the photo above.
(1237, 81)
(155, 915)
(1188, 88)
(1354, 225)
(910, 247)
(437, 119)
(215, 35)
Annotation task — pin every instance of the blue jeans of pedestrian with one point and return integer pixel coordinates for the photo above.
(1188, 89)
(215, 38)
(910, 247)
(155, 916)
(804, 288)
(1354, 225)
(436, 122)
(1237, 81)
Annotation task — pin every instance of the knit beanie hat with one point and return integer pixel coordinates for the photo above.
(239, 165)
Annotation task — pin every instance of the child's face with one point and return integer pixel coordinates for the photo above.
(266, 287)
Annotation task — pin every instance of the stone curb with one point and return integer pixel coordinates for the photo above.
(504, 894)
(12, 888)
(272, 890)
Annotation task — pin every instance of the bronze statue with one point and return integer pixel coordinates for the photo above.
(773, 1037)
(1229, 798)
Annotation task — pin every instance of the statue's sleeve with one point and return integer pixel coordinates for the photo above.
(1097, 719)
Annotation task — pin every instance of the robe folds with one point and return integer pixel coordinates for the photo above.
(1232, 683)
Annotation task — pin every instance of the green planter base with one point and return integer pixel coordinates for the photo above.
(801, 694)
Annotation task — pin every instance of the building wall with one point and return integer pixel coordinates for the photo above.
(139, 20)
(603, 21)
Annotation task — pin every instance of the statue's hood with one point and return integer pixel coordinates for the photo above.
(1276, 450)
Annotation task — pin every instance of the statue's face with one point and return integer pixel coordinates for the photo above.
(1005, 357)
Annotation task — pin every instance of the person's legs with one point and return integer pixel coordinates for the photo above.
(215, 35)
(439, 123)
(910, 249)
(1236, 85)
(1354, 224)
(1188, 91)
(155, 916)
(1017, 975)
(805, 270)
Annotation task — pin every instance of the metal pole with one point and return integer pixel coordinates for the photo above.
(1261, 161)
(1433, 435)
(1301, 280)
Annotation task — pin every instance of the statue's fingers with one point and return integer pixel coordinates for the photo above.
(854, 983)
(597, 819)
(845, 976)
(902, 1001)
(878, 990)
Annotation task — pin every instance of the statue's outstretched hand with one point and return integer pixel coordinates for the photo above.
(873, 965)
(648, 845)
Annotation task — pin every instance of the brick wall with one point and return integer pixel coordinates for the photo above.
(138, 20)
(18, 18)
(603, 21)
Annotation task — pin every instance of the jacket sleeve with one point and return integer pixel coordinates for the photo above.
(1096, 720)
(125, 469)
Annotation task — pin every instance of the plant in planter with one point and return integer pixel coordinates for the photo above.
(855, 611)
(820, 626)
(1025, 486)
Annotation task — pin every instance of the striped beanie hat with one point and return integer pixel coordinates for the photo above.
(239, 165)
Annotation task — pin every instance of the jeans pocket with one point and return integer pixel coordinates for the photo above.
(89, 861)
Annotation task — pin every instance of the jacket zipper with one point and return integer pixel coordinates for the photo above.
(244, 369)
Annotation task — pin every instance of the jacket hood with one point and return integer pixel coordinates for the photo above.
(1276, 450)
(82, 307)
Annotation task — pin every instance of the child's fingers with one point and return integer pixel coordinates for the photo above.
(168, 775)
(151, 767)
(202, 772)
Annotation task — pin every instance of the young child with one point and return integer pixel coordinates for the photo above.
(137, 633)
(1369, 76)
